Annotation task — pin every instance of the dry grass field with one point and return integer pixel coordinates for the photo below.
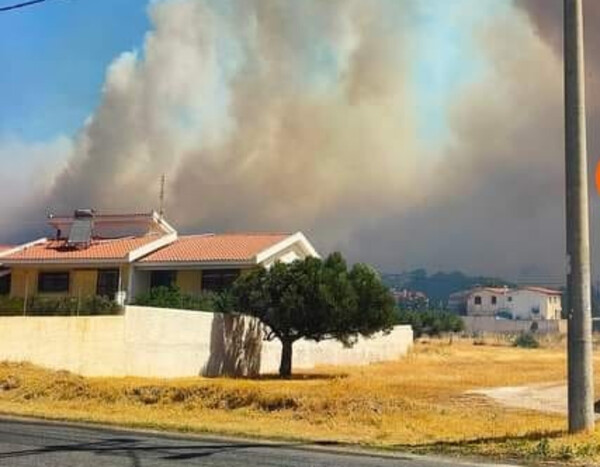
(417, 404)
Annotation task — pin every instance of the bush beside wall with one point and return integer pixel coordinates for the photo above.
(430, 322)
(59, 306)
(172, 297)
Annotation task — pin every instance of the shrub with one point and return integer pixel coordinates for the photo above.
(11, 306)
(172, 297)
(59, 306)
(430, 322)
(160, 297)
(526, 340)
(97, 305)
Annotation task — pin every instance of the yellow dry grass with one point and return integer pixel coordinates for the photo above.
(417, 404)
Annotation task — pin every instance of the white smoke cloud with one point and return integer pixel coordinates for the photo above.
(299, 115)
(27, 180)
(496, 199)
(271, 116)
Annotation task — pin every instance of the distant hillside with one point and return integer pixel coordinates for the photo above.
(440, 285)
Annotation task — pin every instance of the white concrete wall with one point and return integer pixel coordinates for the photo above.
(308, 354)
(150, 342)
(489, 325)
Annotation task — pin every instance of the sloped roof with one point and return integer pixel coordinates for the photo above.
(99, 249)
(215, 248)
(542, 290)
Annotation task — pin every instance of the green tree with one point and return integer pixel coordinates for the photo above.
(430, 322)
(315, 299)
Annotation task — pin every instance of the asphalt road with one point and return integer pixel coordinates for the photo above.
(32, 443)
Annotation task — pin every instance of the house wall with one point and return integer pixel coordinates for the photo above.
(150, 342)
(125, 271)
(23, 282)
(81, 281)
(486, 308)
(525, 301)
(189, 281)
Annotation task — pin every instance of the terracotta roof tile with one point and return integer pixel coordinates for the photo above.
(100, 249)
(213, 248)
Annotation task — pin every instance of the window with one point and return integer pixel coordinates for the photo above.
(162, 279)
(4, 283)
(510, 299)
(108, 283)
(53, 282)
(494, 299)
(217, 280)
(477, 300)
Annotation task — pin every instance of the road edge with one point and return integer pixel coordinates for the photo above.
(322, 447)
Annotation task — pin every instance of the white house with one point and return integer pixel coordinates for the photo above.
(487, 301)
(535, 303)
(523, 303)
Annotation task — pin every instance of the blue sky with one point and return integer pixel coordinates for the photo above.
(55, 56)
(448, 56)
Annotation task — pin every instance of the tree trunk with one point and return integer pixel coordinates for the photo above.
(285, 368)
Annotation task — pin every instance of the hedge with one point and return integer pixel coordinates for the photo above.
(59, 306)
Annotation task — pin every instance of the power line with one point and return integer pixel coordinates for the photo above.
(20, 5)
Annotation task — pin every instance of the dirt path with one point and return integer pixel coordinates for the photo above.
(547, 397)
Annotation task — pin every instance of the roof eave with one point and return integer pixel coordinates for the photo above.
(194, 264)
(297, 238)
(16, 249)
(65, 262)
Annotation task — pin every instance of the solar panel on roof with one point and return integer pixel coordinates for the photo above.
(81, 232)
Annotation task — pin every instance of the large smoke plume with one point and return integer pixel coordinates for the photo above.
(299, 115)
(285, 150)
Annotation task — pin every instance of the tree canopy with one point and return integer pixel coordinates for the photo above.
(315, 299)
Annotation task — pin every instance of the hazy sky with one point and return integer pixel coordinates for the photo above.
(405, 133)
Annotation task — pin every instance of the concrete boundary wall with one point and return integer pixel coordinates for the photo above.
(152, 342)
(491, 325)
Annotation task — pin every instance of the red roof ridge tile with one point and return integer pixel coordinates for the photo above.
(235, 234)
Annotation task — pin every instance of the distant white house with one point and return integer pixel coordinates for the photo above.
(523, 303)
(487, 301)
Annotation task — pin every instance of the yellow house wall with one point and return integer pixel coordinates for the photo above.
(189, 282)
(125, 271)
(23, 281)
(83, 282)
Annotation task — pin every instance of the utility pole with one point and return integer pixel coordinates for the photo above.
(580, 354)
